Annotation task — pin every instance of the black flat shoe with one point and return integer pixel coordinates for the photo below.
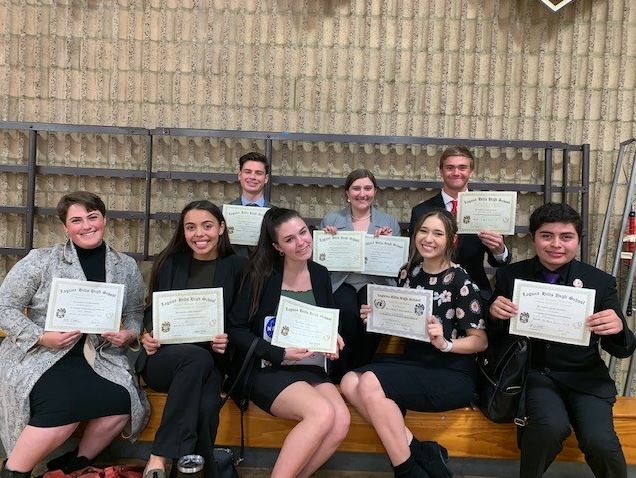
(433, 457)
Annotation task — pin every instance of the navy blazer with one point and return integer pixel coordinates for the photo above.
(244, 327)
(469, 254)
(174, 274)
(579, 368)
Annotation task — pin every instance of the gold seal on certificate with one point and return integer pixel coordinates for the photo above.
(90, 307)
(493, 211)
(187, 316)
(399, 311)
(343, 251)
(385, 255)
(552, 312)
(243, 223)
(305, 326)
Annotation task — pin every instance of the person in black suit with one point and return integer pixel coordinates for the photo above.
(456, 165)
(290, 382)
(199, 255)
(567, 385)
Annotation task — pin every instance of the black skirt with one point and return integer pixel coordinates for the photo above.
(71, 391)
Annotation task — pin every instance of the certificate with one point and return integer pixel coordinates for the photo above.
(399, 311)
(243, 223)
(90, 307)
(486, 211)
(305, 326)
(343, 251)
(187, 316)
(385, 255)
(552, 312)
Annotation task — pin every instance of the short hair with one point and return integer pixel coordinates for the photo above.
(91, 201)
(555, 212)
(456, 151)
(359, 173)
(254, 156)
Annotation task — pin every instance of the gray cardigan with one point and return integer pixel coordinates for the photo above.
(23, 362)
(341, 220)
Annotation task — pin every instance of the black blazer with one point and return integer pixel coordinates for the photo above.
(174, 274)
(579, 368)
(470, 253)
(243, 327)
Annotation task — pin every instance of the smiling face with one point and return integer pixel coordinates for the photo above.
(202, 231)
(431, 239)
(556, 244)
(361, 194)
(294, 240)
(253, 178)
(455, 172)
(85, 228)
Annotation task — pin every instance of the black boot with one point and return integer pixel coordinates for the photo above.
(61, 461)
(432, 457)
(7, 473)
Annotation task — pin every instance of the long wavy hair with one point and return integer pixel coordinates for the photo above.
(450, 228)
(265, 258)
(178, 242)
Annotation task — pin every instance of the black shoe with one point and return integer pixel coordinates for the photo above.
(432, 457)
(61, 461)
(77, 463)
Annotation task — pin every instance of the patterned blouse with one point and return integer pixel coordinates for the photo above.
(456, 304)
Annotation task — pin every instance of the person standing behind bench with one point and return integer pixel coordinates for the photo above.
(456, 165)
(199, 255)
(350, 288)
(567, 385)
(281, 266)
(253, 176)
(50, 381)
(428, 377)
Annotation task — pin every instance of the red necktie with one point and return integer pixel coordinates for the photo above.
(453, 210)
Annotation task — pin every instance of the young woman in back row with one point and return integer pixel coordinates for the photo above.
(428, 377)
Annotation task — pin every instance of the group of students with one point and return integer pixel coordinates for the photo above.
(52, 381)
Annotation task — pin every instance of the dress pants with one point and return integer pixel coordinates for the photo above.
(191, 414)
(360, 345)
(551, 408)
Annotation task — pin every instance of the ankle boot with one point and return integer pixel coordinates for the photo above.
(410, 469)
(431, 456)
(61, 461)
(7, 473)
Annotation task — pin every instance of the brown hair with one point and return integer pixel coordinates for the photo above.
(450, 228)
(462, 151)
(92, 202)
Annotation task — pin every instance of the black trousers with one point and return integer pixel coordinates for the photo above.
(360, 345)
(191, 414)
(551, 408)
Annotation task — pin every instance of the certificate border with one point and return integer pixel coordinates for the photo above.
(156, 315)
(316, 252)
(509, 231)
(373, 288)
(405, 256)
(58, 282)
(227, 214)
(590, 294)
(284, 301)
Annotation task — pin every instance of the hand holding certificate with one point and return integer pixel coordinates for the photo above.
(343, 251)
(90, 307)
(243, 223)
(187, 316)
(306, 326)
(552, 312)
(399, 311)
(486, 211)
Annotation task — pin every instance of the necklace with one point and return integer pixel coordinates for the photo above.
(357, 219)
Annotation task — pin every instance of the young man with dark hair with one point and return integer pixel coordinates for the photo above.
(567, 385)
(456, 165)
(253, 175)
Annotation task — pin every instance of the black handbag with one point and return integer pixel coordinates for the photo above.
(503, 369)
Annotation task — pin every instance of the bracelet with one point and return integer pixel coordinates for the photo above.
(449, 346)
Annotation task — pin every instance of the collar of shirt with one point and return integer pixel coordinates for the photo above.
(260, 201)
(448, 200)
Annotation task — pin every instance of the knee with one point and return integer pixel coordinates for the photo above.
(196, 358)
(550, 427)
(349, 384)
(342, 420)
(322, 417)
(369, 388)
(598, 445)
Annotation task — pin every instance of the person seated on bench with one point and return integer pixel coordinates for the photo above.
(350, 288)
(52, 381)
(567, 385)
(428, 377)
(199, 255)
(284, 386)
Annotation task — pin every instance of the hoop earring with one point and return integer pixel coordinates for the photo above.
(282, 254)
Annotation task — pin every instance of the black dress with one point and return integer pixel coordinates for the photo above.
(71, 391)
